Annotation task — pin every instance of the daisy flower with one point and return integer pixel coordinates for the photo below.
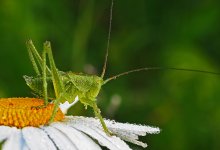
(23, 126)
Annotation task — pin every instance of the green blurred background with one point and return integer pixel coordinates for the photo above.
(183, 33)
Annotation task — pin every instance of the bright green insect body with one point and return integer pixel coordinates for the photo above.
(60, 86)
(75, 84)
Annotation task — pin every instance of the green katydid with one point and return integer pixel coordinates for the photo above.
(58, 86)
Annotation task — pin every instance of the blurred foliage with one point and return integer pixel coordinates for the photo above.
(183, 33)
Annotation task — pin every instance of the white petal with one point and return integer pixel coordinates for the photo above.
(37, 139)
(25, 147)
(111, 142)
(66, 105)
(132, 128)
(127, 132)
(60, 139)
(137, 129)
(131, 139)
(15, 141)
(82, 141)
(5, 132)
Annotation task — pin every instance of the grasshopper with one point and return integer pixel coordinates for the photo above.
(63, 86)
(57, 86)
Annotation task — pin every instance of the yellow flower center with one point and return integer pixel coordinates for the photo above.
(22, 112)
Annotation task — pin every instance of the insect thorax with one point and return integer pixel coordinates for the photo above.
(85, 85)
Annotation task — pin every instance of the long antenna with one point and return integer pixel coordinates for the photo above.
(159, 68)
(108, 43)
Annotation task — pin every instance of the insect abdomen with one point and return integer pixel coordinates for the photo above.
(36, 85)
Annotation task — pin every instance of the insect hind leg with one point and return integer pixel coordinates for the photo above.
(35, 58)
(44, 74)
(30, 46)
(56, 79)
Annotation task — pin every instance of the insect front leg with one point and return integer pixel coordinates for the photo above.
(97, 112)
